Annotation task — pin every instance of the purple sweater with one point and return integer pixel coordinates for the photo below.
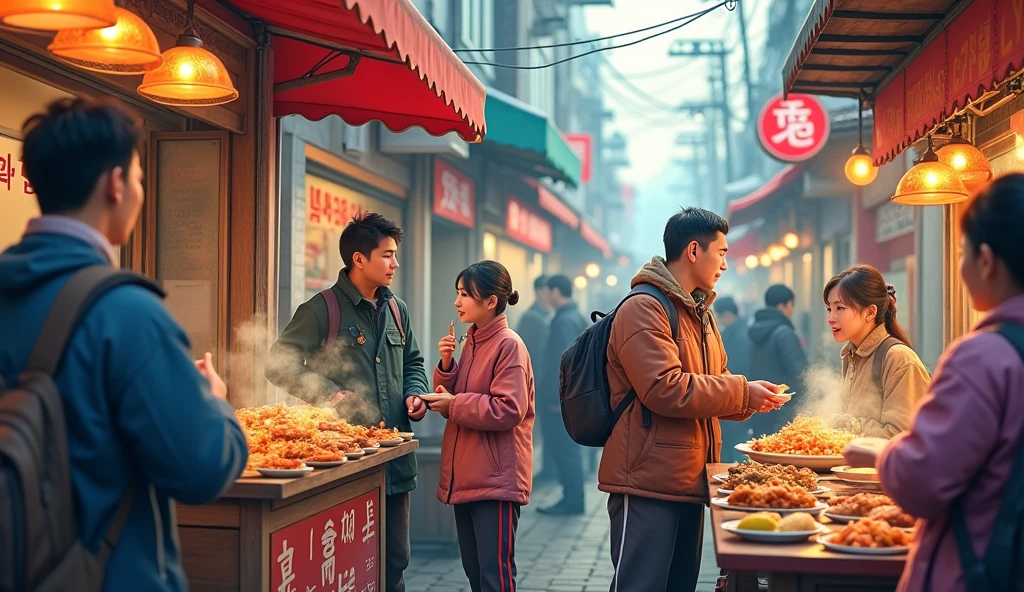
(964, 437)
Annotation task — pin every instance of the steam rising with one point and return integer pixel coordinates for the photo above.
(822, 383)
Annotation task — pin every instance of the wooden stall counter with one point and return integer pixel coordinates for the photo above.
(322, 531)
(799, 567)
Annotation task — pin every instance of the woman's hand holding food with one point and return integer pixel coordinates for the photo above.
(440, 402)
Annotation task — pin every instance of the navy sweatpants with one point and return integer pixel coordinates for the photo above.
(487, 543)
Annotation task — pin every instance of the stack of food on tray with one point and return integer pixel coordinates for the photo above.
(284, 437)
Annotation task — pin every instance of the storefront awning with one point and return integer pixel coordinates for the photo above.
(526, 139)
(368, 60)
(595, 239)
(757, 203)
(940, 57)
(850, 46)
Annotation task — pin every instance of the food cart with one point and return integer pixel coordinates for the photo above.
(320, 531)
(797, 567)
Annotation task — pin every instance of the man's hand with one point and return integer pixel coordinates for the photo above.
(440, 402)
(761, 396)
(416, 407)
(217, 386)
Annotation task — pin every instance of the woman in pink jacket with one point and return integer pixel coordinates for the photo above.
(966, 431)
(487, 453)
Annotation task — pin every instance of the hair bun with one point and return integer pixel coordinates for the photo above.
(513, 298)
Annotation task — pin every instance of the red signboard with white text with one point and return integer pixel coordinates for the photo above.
(793, 129)
(336, 550)
(583, 146)
(527, 226)
(454, 194)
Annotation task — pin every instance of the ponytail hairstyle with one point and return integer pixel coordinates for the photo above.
(488, 278)
(862, 286)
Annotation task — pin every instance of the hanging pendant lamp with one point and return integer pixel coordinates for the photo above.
(963, 157)
(930, 183)
(129, 47)
(189, 76)
(860, 167)
(55, 15)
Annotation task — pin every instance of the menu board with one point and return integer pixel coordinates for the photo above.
(17, 201)
(189, 191)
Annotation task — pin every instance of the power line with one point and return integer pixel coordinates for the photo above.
(646, 96)
(585, 41)
(690, 20)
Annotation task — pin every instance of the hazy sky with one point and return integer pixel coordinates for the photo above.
(649, 127)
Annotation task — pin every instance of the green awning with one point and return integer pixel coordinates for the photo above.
(526, 139)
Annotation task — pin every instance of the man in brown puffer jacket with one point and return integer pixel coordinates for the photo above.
(656, 475)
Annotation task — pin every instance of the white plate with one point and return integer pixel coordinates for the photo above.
(284, 473)
(843, 474)
(840, 518)
(817, 463)
(825, 538)
(372, 450)
(325, 465)
(407, 435)
(721, 477)
(723, 503)
(390, 443)
(355, 455)
(820, 490)
(764, 536)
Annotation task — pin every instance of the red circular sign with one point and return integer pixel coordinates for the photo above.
(793, 129)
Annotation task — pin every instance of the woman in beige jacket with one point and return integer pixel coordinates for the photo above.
(882, 376)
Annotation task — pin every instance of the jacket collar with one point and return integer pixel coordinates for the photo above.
(567, 308)
(480, 334)
(657, 274)
(870, 344)
(349, 290)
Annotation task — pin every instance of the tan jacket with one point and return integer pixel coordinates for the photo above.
(904, 381)
(684, 385)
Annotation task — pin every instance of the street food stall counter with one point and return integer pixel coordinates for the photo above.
(802, 566)
(321, 531)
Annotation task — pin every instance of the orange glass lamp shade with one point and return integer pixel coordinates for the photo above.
(930, 183)
(969, 163)
(860, 167)
(55, 15)
(129, 47)
(188, 76)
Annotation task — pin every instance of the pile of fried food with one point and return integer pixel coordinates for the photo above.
(283, 437)
(756, 474)
(807, 436)
(779, 496)
(875, 506)
(871, 532)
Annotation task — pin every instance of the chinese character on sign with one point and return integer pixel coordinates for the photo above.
(327, 541)
(28, 186)
(368, 531)
(794, 121)
(348, 526)
(347, 581)
(369, 564)
(284, 563)
(7, 170)
(794, 128)
(370, 587)
(450, 197)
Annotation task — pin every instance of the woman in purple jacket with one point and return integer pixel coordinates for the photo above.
(966, 430)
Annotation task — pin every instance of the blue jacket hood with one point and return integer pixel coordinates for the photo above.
(41, 258)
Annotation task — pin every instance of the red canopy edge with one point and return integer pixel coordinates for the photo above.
(782, 179)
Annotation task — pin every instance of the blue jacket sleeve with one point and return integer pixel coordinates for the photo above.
(187, 441)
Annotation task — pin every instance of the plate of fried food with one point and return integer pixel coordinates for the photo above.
(869, 505)
(772, 527)
(783, 499)
(757, 474)
(868, 536)
(277, 467)
(406, 436)
(805, 442)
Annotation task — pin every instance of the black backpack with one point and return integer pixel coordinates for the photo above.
(39, 546)
(583, 388)
(1002, 567)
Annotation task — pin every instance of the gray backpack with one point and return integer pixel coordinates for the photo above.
(39, 546)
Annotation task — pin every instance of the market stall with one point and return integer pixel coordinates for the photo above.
(322, 529)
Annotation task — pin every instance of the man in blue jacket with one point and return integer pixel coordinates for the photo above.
(138, 409)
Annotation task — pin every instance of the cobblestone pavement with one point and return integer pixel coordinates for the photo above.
(568, 554)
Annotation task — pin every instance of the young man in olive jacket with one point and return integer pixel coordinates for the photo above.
(371, 370)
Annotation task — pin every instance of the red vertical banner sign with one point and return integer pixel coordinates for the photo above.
(890, 133)
(971, 64)
(926, 87)
(527, 226)
(337, 550)
(454, 194)
(583, 146)
(1009, 19)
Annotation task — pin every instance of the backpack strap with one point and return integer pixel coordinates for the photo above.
(878, 363)
(82, 290)
(673, 321)
(77, 296)
(976, 575)
(333, 315)
(397, 315)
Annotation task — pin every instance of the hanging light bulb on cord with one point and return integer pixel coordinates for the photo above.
(860, 167)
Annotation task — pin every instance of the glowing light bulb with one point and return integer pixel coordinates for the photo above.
(959, 161)
(766, 260)
(750, 261)
(931, 179)
(186, 70)
(791, 240)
